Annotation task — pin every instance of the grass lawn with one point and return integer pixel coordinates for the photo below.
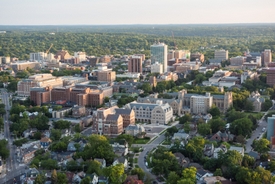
(141, 141)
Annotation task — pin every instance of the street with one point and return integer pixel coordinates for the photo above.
(258, 133)
(11, 167)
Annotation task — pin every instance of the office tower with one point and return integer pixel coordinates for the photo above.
(159, 54)
(135, 64)
(221, 55)
(266, 57)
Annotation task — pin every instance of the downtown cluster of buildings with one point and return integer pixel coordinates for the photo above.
(98, 81)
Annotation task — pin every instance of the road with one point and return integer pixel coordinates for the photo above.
(11, 166)
(149, 147)
(258, 133)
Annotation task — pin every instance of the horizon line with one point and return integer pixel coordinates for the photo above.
(134, 24)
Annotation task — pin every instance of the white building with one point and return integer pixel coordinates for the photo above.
(38, 56)
(159, 113)
(221, 54)
(159, 54)
(128, 75)
(157, 68)
(80, 55)
(201, 104)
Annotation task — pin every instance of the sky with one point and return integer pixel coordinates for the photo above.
(113, 12)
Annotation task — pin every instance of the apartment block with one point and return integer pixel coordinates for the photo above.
(157, 68)
(237, 61)
(221, 55)
(266, 56)
(270, 76)
(135, 64)
(108, 76)
(112, 121)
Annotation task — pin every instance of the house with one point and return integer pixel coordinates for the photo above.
(120, 147)
(183, 137)
(76, 179)
(32, 173)
(28, 154)
(238, 149)
(45, 142)
(101, 161)
(93, 177)
(65, 133)
(103, 179)
(222, 136)
(135, 130)
(222, 149)
(71, 146)
(133, 179)
(254, 154)
(121, 160)
(214, 179)
(208, 150)
(201, 174)
(182, 160)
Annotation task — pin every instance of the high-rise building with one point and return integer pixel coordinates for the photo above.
(266, 57)
(270, 76)
(38, 56)
(135, 64)
(159, 54)
(221, 55)
(270, 127)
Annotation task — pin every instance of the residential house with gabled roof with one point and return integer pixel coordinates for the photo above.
(182, 160)
(133, 179)
(45, 141)
(222, 136)
(101, 161)
(121, 160)
(220, 150)
(208, 150)
(238, 149)
(120, 147)
(201, 174)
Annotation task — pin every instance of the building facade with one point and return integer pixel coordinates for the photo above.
(108, 76)
(221, 55)
(135, 64)
(39, 80)
(157, 68)
(201, 104)
(159, 54)
(266, 56)
(152, 113)
(270, 76)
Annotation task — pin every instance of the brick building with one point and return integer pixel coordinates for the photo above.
(135, 64)
(270, 76)
(108, 76)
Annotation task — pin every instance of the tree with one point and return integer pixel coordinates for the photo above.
(62, 178)
(248, 105)
(146, 87)
(173, 178)
(54, 176)
(86, 180)
(188, 175)
(248, 161)
(61, 124)
(94, 167)
(129, 138)
(55, 134)
(214, 111)
(217, 124)
(139, 172)
(106, 99)
(40, 179)
(266, 105)
(241, 127)
(4, 151)
(186, 118)
(204, 129)
(261, 145)
(186, 127)
(115, 173)
(218, 172)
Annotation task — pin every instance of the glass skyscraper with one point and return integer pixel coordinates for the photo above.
(159, 54)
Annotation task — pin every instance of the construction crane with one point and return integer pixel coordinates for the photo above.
(175, 46)
(49, 49)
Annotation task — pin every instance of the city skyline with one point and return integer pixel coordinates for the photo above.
(119, 12)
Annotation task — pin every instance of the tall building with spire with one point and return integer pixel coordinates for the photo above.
(159, 54)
